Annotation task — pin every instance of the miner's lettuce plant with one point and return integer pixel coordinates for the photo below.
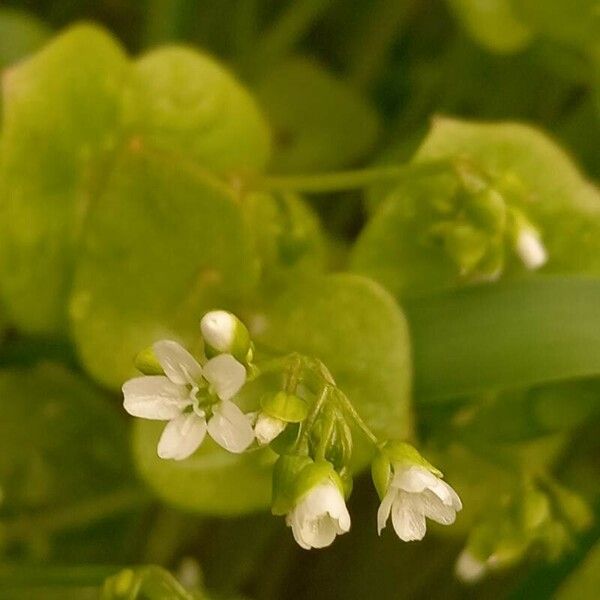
(157, 246)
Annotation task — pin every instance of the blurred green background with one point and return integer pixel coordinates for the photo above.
(342, 84)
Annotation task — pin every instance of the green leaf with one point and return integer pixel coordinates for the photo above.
(509, 335)
(212, 481)
(583, 582)
(20, 34)
(493, 24)
(61, 111)
(287, 235)
(360, 333)
(64, 459)
(164, 244)
(184, 101)
(319, 122)
(572, 21)
(396, 246)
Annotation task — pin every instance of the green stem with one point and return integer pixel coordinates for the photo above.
(323, 183)
(349, 408)
(309, 422)
(325, 435)
(372, 47)
(78, 515)
(283, 35)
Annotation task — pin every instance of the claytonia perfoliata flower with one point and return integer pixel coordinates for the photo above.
(411, 490)
(319, 516)
(193, 399)
(311, 496)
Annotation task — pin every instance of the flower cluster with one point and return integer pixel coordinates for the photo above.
(306, 422)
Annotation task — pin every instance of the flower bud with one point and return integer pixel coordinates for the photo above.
(223, 333)
(267, 428)
(285, 407)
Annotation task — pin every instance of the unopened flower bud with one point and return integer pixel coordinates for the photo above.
(223, 332)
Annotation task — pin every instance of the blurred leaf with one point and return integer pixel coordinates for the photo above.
(212, 481)
(164, 243)
(319, 122)
(558, 200)
(20, 34)
(186, 102)
(584, 582)
(61, 110)
(287, 234)
(63, 461)
(493, 23)
(505, 336)
(360, 333)
(572, 21)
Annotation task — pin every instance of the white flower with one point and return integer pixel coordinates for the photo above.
(413, 494)
(468, 568)
(267, 428)
(319, 516)
(173, 397)
(531, 249)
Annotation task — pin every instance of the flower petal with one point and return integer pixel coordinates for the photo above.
(414, 479)
(154, 397)
(230, 427)
(225, 374)
(434, 508)
(177, 363)
(182, 436)
(408, 522)
(383, 513)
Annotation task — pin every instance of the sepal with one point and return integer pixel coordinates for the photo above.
(285, 473)
(405, 455)
(285, 407)
(147, 363)
(381, 472)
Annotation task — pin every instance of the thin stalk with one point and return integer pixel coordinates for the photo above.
(323, 183)
(349, 408)
(77, 515)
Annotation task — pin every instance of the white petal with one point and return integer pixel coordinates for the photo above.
(154, 397)
(383, 513)
(531, 250)
(414, 479)
(267, 428)
(218, 329)
(408, 522)
(319, 532)
(225, 374)
(293, 522)
(447, 495)
(177, 363)
(230, 427)
(182, 437)
(434, 508)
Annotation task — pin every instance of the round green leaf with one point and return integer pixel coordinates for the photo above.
(360, 333)
(61, 111)
(319, 122)
(184, 101)
(212, 481)
(164, 243)
(493, 24)
(395, 249)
